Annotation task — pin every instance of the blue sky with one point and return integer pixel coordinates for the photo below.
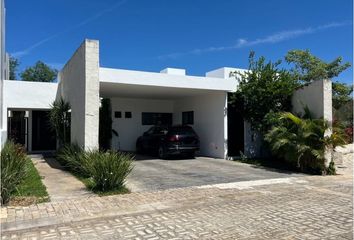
(196, 35)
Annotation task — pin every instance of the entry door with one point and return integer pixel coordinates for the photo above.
(18, 127)
(43, 138)
(235, 127)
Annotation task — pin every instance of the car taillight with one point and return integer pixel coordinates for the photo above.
(174, 138)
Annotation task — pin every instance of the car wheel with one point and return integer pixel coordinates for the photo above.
(161, 152)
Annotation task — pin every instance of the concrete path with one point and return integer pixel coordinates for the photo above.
(61, 185)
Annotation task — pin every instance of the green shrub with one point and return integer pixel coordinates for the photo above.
(108, 170)
(13, 169)
(73, 158)
(302, 142)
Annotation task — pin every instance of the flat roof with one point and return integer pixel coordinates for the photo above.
(164, 80)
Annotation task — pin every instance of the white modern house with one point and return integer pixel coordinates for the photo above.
(139, 100)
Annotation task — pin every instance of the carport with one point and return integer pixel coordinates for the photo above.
(142, 99)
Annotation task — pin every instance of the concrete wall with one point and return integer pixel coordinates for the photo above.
(210, 121)
(317, 96)
(129, 129)
(79, 85)
(23, 95)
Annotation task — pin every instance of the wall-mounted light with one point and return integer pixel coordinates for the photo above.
(9, 114)
(26, 114)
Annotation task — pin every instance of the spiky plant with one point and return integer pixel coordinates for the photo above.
(59, 118)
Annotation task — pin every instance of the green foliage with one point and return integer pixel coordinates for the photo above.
(14, 63)
(13, 169)
(108, 170)
(302, 142)
(331, 170)
(32, 185)
(102, 171)
(60, 120)
(263, 89)
(308, 68)
(105, 124)
(73, 158)
(40, 72)
(341, 94)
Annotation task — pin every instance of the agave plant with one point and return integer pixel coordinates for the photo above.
(303, 141)
(59, 119)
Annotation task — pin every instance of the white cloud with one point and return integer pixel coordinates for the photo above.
(74, 27)
(270, 39)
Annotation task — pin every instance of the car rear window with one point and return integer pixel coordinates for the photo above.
(181, 131)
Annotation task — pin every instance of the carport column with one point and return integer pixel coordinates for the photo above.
(79, 85)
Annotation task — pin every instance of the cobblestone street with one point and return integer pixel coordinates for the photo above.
(289, 208)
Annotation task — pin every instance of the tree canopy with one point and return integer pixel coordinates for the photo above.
(264, 88)
(40, 72)
(308, 68)
(341, 94)
(14, 63)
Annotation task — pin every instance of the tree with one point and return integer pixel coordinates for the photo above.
(308, 68)
(341, 94)
(40, 72)
(262, 90)
(60, 120)
(14, 63)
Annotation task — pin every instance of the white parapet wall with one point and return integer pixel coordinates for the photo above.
(79, 85)
(317, 96)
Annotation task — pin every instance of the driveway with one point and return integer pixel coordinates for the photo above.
(151, 174)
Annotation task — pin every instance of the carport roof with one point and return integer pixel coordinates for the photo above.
(127, 83)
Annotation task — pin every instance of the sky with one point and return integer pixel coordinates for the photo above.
(197, 35)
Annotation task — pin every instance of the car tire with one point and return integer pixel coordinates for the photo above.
(161, 153)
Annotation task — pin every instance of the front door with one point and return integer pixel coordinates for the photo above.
(43, 138)
(17, 123)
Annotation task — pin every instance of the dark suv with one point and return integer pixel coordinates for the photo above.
(169, 140)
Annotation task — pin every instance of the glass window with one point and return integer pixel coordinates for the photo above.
(188, 117)
(128, 114)
(149, 118)
(118, 114)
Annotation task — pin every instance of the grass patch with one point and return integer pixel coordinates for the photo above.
(31, 186)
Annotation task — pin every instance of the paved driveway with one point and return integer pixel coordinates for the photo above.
(151, 174)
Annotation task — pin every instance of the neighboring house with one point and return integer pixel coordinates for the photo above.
(139, 100)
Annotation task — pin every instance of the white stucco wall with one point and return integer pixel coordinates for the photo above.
(129, 129)
(317, 96)
(210, 121)
(27, 95)
(79, 84)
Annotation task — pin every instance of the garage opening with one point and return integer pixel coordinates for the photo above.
(148, 106)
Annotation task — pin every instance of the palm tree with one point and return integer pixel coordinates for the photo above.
(303, 141)
(59, 118)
